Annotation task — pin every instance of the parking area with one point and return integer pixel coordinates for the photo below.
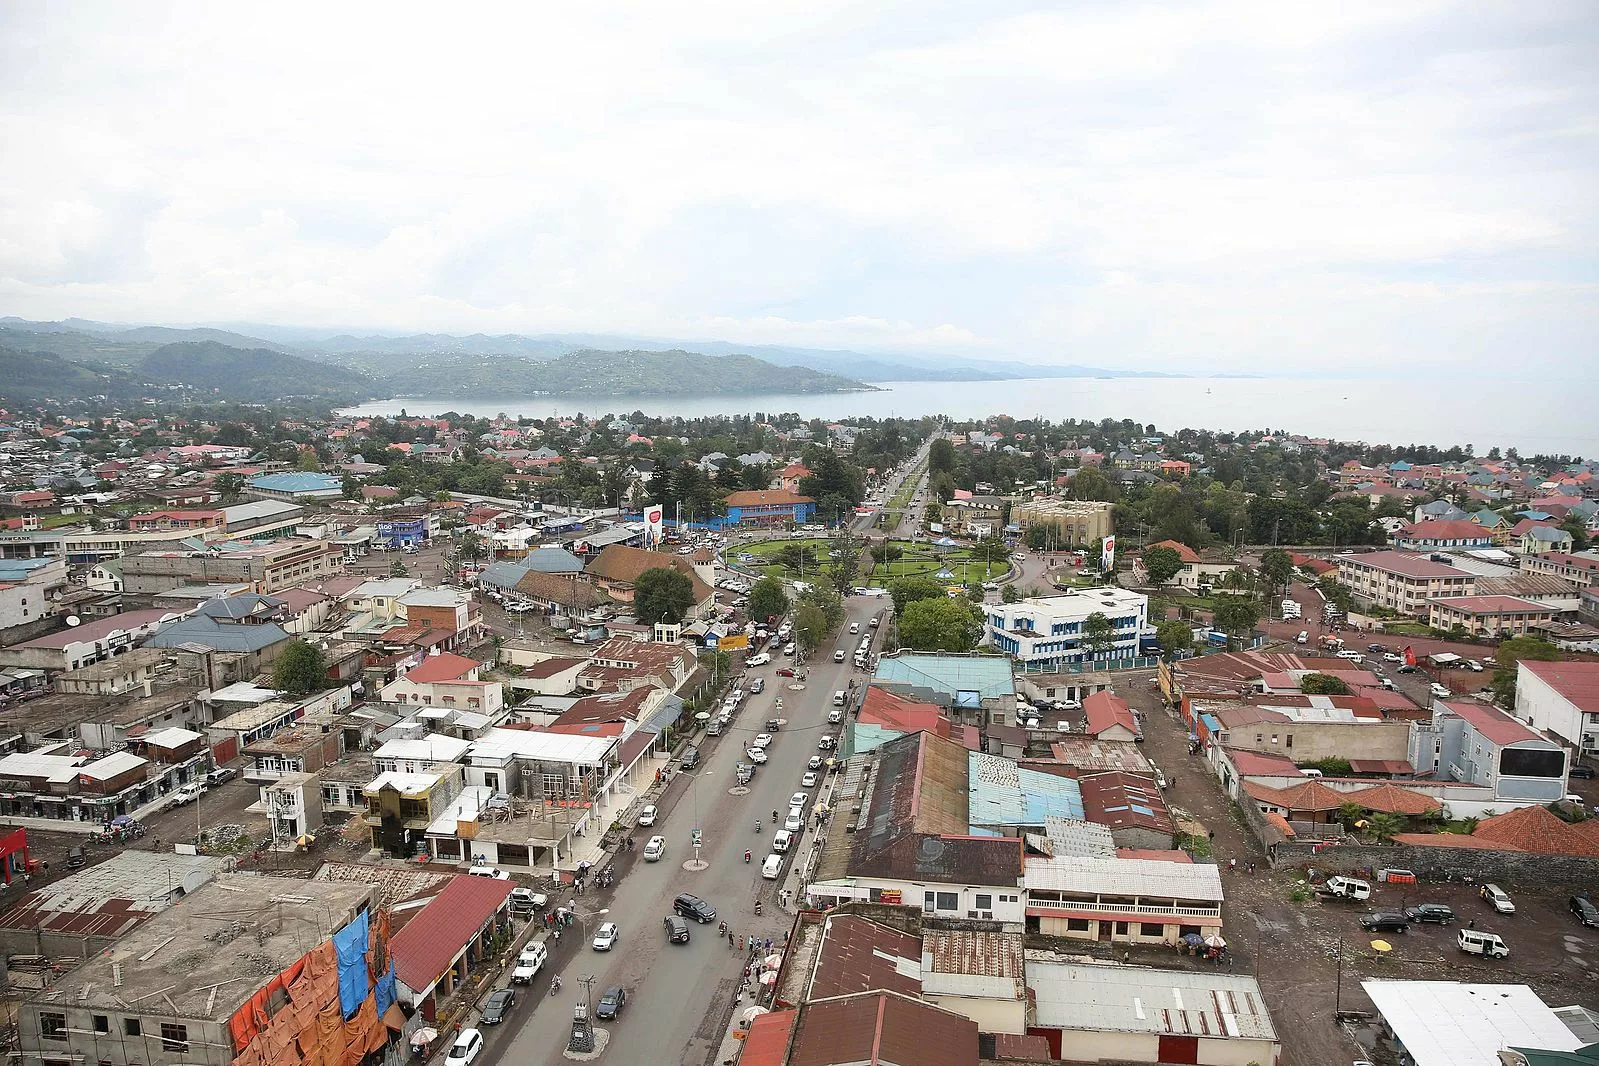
(1291, 940)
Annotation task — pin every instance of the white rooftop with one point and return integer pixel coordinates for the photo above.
(1101, 997)
(118, 762)
(499, 744)
(435, 747)
(244, 692)
(57, 769)
(171, 737)
(463, 807)
(404, 783)
(1450, 1023)
(1096, 874)
(439, 597)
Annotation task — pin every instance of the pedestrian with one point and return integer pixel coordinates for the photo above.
(1232, 866)
(1472, 924)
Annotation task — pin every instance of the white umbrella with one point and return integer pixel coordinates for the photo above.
(769, 977)
(772, 961)
(751, 1013)
(424, 1035)
(1214, 940)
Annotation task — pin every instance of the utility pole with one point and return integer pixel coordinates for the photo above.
(582, 1038)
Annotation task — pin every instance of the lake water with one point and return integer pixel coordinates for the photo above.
(1530, 416)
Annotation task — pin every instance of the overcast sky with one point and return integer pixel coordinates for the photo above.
(1242, 186)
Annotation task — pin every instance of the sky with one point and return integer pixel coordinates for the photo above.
(1229, 186)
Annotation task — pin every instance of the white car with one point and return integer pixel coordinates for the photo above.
(755, 755)
(646, 817)
(1441, 691)
(788, 649)
(799, 799)
(654, 848)
(528, 964)
(815, 763)
(187, 794)
(781, 841)
(758, 660)
(809, 780)
(794, 822)
(606, 936)
(467, 1047)
(1392, 657)
(761, 740)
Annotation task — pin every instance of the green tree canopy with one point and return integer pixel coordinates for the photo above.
(662, 594)
(1323, 685)
(1162, 563)
(906, 590)
(1277, 566)
(1236, 615)
(1176, 638)
(768, 599)
(299, 669)
(1099, 634)
(1510, 653)
(942, 624)
(1009, 593)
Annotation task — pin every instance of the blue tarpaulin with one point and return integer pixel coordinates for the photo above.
(350, 942)
(385, 991)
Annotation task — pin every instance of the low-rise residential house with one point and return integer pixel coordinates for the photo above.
(448, 681)
(1542, 539)
(972, 689)
(1197, 570)
(1488, 616)
(398, 806)
(1441, 535)
(449, 940)
(1108, 717)
(79, 646)
(1131, 806)
(1135, 901)
(769, 507)
(622, 664)
(296, 750)
(617, 568)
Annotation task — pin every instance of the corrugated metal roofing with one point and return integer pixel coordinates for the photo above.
(424, 948)
(1139, 999)
(1124, 877)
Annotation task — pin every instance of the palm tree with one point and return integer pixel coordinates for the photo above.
(1383, 825)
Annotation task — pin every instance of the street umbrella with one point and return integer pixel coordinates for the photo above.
(423, 1036)
(772, 961)
(769, 978)
(751, 1013)
(703, 716)
(1193, 938)
(1381, 945)
(1214, 940)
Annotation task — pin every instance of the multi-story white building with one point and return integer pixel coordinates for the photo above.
(1561, 698)
(1047, 631)
(1401, 581)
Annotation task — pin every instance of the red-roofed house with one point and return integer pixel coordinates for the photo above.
(1488, 615)
(1561, 698)
(1443, 533)
(1109, 718)
(444, 943)
(1196, 570)
(792, 474)
(885, 716)
(1538, 830)
(1131, 806)
(445, 681)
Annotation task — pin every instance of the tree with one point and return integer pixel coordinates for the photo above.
(886, 552)
(1323, 685)
(907, 590)
(662, 594)
(299, 669)
(1176, 639)
(991, 550)
(1336, 594)
(1090, 483)
(1099, 634)
(941, 456)
(767, 599)
(1009, 594)
(1277, 567)
(1510, 653)
(229, 487)
(471, 547)
(810, 626)
(1236, 615)
(350, 487)
(1162, 564)
(1037, 537)
(1383, 825)
(844, 556)
(944, 624)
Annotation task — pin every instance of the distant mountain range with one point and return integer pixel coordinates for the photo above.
(259, 363)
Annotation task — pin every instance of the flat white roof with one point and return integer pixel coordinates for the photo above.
(57, 769)
(171, 737)
(1450, 1023)
(118, 762)
(1079, 874)
(244, 692)
(435, 747)
(1106, 998)
(551, 747)
(406, 784)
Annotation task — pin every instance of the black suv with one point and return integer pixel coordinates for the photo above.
(1581, 770)
(1431, 912)
(1585, 911)
(676, 929)
(1385, 922)
(694, 907)
(611, 1003)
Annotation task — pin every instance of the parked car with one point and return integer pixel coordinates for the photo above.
(611, 1003)
(758, 686)
(1585, 911)
(498, 1005)
(221, 774)
(187, 794)
(1430, 912)
(815, 763)
(691, 906)
(760, 659)
(799, 799)
(1384, 922)
(1392, 657)
(809, 780)
(467, 1047)
(76, 858)
(606, 936)
(781, 840)
(755, 755)
(646, 817)
(1582, 771)
(1497, 898)
(1482, 942)
(794, 822)
(676, 929)
(761, 740)
(1441, 691)
(1375, 647)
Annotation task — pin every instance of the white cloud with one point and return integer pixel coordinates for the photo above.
(1247, 184)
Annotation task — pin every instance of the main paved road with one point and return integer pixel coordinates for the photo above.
(680, 995)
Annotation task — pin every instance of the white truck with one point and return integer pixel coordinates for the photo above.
(1347, 888)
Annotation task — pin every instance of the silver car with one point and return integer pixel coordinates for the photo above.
(654, 849)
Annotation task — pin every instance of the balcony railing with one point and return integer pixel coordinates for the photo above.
(1150, 909)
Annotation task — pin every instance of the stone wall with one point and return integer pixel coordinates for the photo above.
(1428, 863)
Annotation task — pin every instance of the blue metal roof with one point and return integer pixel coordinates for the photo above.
(987, 675)
(1001, 793)
(296, 481)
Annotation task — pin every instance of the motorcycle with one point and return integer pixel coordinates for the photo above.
(746, 855)
(757, 827)
(555, 985)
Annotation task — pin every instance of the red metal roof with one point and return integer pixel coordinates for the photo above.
(1491, 722)
(443, 667)
(428, 943)
(1577, 682)
(1106, 709)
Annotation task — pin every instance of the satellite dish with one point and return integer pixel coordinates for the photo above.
(73, 620)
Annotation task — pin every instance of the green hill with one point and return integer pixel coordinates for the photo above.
(27, 376)
(600, 373)
(250, 375)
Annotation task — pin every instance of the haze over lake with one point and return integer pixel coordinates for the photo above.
(1529, 416)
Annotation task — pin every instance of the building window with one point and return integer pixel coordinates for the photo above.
(101, 1023)
(948, 901)
(984, 901)
(1122, 927)
(174, 1037)
(1077, 925)
(1151, 929)
(131, 1027)
(1289, 739)
(52, 1025)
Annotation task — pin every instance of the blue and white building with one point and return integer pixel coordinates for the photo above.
(1045, 632)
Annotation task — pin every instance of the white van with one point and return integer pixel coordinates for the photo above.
(839, 698)
(488, 871)
(772, 866)
(835, 716)
(1481, 942)
(781, 840)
